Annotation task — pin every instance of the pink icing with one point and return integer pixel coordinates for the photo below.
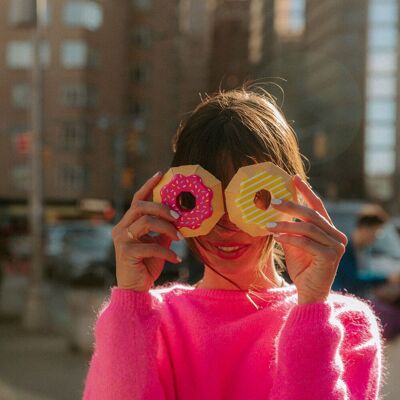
(203, 195)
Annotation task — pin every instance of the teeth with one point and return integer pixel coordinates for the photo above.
(228, 249)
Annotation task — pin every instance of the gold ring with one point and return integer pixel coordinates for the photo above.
(130, 234)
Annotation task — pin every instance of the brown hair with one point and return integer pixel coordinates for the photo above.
(238, 127)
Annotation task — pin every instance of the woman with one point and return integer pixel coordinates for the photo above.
(298, 341)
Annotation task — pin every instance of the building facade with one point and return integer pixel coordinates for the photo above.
(112, 94)
(229, 62)
(352, 78)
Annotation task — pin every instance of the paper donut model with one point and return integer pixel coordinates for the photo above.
(205, 191)
(249, 193)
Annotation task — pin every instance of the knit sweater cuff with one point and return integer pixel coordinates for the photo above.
(316, 324)
(309, 314)
(131, 300)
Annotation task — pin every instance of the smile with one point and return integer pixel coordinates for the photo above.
(229, 251)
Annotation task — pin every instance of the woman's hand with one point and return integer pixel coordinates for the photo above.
(139, 257)
(313, 247)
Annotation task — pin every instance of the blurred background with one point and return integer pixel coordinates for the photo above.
(91, 95)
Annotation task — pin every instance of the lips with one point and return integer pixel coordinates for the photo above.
(228, 250)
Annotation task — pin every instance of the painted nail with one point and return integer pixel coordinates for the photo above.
(271, 225)
(180, 236)
(174, 214)
(276, 201)
(158, 173)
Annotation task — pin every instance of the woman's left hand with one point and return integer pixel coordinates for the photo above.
(313, 247)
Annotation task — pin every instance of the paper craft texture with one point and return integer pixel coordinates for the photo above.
(242, 189)
(207, 191)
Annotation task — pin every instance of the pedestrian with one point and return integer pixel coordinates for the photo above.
(354, 277)
(241, 332)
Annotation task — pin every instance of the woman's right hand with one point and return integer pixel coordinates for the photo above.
(140, 258)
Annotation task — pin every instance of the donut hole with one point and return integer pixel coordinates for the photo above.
(262, 199)
(186, 201)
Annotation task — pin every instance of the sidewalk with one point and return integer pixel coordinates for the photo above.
(38, 366)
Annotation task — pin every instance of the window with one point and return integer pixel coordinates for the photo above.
(21, 176)
(381, 86)
(74, 136)
(83, 13)
(383, 37)
(380, 136)
(79, 95)
(21, 95)
(381, 111)
(141, 37)
(289, 17)
(77, 54)
(19, 54)
(140, 73)
(21, 13)
(379, 162)
(383, 12)
(72, 178)
(143, 4)
(382, 61)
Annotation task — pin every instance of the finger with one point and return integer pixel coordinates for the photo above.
(147, 223)
(310, 197)
(140, 251)
(305, 229)
(307, 244)
(139, 208)
(310, 215)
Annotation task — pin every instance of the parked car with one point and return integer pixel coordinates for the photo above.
(396, 222)
(79, 249)
(384, 255)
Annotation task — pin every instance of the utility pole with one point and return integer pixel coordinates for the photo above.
(119, 125)
(35, 317)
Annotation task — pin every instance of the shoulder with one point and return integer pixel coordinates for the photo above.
(357, 317)
(166, 293)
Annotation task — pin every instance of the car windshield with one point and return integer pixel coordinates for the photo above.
(88, 238)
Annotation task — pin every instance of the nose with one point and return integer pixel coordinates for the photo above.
(226, 224)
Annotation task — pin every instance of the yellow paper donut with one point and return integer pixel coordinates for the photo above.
(251, 183)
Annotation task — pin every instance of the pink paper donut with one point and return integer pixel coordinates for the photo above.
(193, 184)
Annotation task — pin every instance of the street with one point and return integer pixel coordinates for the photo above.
(38, 366)
(41, 367)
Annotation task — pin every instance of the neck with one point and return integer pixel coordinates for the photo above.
(213, 280)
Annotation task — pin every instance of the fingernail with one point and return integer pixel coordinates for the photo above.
(174, 214)
(180, 236)
(276, 201)
(271, 225)
(178, 259)
(158, 173)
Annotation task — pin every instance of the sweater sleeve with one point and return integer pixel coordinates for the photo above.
(124, 364)
(326, 355)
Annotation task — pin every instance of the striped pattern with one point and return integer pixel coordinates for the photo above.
(249, 187)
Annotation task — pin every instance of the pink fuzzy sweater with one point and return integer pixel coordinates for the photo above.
(209, 344)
